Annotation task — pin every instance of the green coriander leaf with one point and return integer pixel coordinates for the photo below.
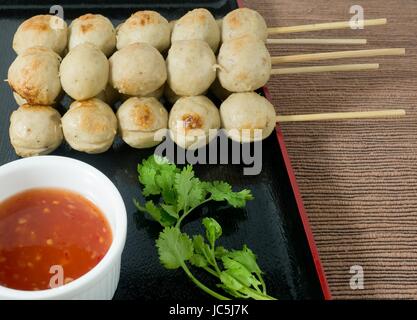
(230, 282)
(233, 293)
(165, 180)
(189, 189)
(167, 220)
(239, 272)
(213, 230)
(220, 252)
(222, 191)
(198, 242)
(150, 208)
(198, 260)
(174, 247)
(156, 213)
(171, 210)
(202, 248)
(159, 163)
(247, 258)
(157, 175)
(147, 178)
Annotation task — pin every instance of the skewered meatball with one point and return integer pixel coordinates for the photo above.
(242, 113)
(198, 24)
(34, 76)
(137, 69)
(145, 26)
(89, 126)
(191, 67)
(140, 119)
(244, 22)
(95, 29)
(43, 30)
(190, 121)
(84, 72)
(244, 64)
(35, 130)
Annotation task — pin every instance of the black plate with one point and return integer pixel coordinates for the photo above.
(270, 225)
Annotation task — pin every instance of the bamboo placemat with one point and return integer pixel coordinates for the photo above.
(358, 178)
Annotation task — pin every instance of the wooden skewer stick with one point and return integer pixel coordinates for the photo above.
(317, 69)
(325, 26)
(342, 115)
(317, 41)
(338, 55)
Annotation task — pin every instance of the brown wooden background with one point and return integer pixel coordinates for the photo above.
(358, 178)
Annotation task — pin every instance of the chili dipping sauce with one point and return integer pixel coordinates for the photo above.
(44, 228)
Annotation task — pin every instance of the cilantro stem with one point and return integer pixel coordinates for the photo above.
(215, 265)
(186, 213)
(211, 271)
(255, 294)
(202, 286)
(258, 296)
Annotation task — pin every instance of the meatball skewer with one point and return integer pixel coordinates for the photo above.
(95, 29)
(248, 117)
(145, 26)
(139, 121)
(253, 25)
(245, 21)
(89, 126)
(244, 64)
(198, 24)
(35, 130)
(193, 122)
(42, 30)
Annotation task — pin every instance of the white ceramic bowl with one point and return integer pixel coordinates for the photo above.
(50, 171)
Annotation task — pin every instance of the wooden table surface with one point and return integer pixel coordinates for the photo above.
(358, 179)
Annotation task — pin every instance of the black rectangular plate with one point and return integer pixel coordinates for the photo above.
(270, 225)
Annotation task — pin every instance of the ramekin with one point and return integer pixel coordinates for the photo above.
(99, 283)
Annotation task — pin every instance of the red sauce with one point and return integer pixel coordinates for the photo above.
(44, 228)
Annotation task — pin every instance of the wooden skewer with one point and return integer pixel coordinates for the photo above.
(325, 26)
(338, 55)
(342, 115)
(317, 41)
(317, 69)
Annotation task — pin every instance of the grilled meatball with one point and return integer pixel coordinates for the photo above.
(35, 130)
(198, 24)
(191, 67)
(145, 26)
(84, 72)
(244, 113)
(90, 126)
(137, 70)
(193, 122)
(43, 30)
(95, 29)
(34, 76)
(139, 121)
(244, 64)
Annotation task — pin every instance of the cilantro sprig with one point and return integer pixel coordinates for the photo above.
(180, 192)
